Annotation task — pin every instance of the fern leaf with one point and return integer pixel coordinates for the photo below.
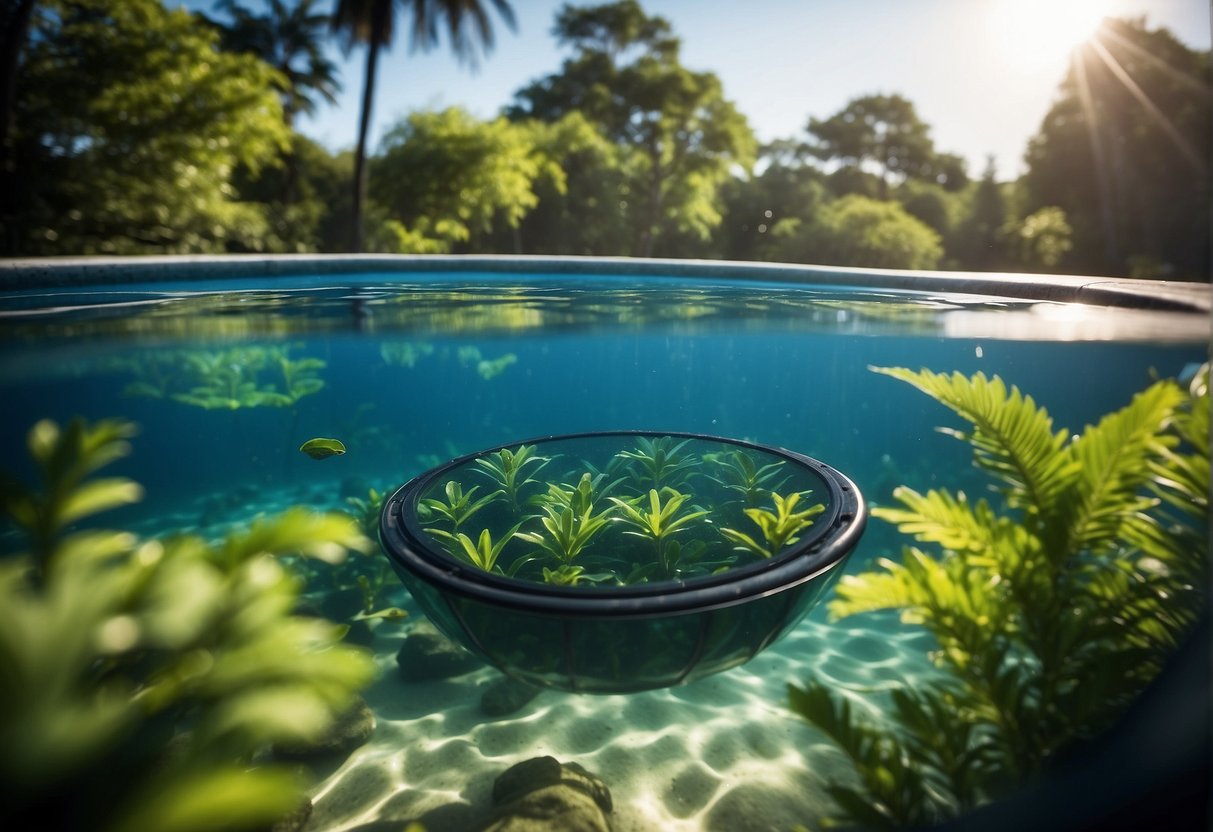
(1113, 460)
(1012, 437)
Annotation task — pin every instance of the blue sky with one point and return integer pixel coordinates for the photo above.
(971, 70)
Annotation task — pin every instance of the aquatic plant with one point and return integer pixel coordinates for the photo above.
(505, 468)
(1052, 607)
(737, 471)
(489, 369)
(405, 353)
(568, 530)
(779, 528)
(141, 676)
(225, 379)
(660, 520)
(656, 463)
(482, 553)
(458, 507)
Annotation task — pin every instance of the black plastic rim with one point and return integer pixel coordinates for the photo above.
(831, 539)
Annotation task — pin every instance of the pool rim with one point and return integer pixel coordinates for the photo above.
(78, 272)
(838, 531)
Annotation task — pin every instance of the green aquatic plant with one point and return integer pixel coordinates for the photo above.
(489, 369)
(780, 528)
(505, 467)
(141, 677)
(661, 520)
(225, 379)
(482, 553)
(458, 507)
(657, 463)
(321, 448)
(737, 471)
(405, 353)
(1052, 606)
(567, 531)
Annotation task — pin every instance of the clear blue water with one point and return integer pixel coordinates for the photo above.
(777, 364)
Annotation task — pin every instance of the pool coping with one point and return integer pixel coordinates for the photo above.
(1163, 295)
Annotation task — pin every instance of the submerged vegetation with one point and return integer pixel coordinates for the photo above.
(1053, 605)
(225, 379)
(619, 513)
(141, 677)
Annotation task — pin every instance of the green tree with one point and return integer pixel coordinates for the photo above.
(859, 231)
(1042, 239)
(1123, 152)
(445, 177)
(682, 135)
(885, 131)
(786, 189)
(373, 22)
(979, 242)
(129, 124)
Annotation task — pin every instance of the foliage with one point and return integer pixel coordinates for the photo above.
(1043, 238)
(661, 519)
(322, 448)
(129, 123)
(458, 508)
(738, 472)
(660, 462)
(1132, 177)
(681, 135)
(885, 131)
(446, 177)
(141, 676)
(505, 468)
(569, 519)
(780, 528)
(1052, 608)
(224, 379)
(484, 552)
(858, 231)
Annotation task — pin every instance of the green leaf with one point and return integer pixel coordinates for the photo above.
(320, 448)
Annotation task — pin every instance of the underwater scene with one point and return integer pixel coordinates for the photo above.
(200, 622)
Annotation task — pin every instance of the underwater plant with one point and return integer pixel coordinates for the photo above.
(660, 520)
(779, 528)
(569, 529)
(225, 379)
(404, 353)
(1053, 606)
(321, 448)
(482, 553)
(656, 463)
(140, 677)
(505, 468)
(458, 507)
(489, 369)
(738, 472)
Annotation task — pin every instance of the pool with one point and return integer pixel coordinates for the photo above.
(228, 365)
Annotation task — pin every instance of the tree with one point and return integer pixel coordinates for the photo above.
(373, 22)
(445, 177)
(786, 189)
(1042, 239)
(979, 240)
(129, 124)
(682, 135)
(858, 231)
(1123, 152)
(14, 28)
(886, 132)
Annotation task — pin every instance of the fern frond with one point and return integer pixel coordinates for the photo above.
(1113, 465)
(1012, 437)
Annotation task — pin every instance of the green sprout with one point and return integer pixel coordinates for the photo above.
(658, 462)
(458, 506)
(738, 472)
(505, 467)
(661, 520)
(568, 530)
(482, 553)
(779, 528)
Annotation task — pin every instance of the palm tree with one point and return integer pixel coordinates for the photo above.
(291, 39)
(373, 22)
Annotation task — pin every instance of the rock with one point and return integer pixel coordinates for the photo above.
(540, 773)
(505, 696)
(296, 820)
(427, 655)
(352, 729)
(552, 809)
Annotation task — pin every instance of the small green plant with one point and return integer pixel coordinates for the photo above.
(1052, 607)
(780, 528)
(405, 353)
(482, 553)
(140, 677)
(505, 468)
(661, 520)
(226, 379)
(458, 507)
(657, 463)
(737, 471)
(568, 519)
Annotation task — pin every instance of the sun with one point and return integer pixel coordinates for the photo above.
(1044, 31)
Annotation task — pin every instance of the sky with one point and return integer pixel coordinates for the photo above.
(981, 73)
